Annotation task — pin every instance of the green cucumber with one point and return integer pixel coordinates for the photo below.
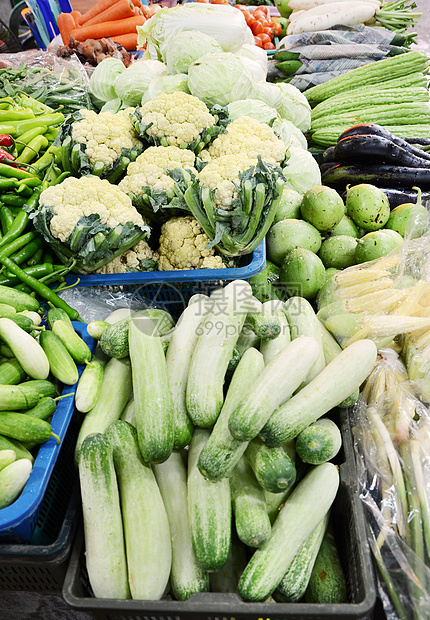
(273, 468)
(263, 320)
(271, 348)
(154, 412)
(11, 372)
(275, 384)
(128, 413)
(293, 584)
(105, 557)
(61, 325)
(334, 383)
(146, 530)
(275, 502)
(44, 409)
(6, 458)
(24, 322)
(327, 584)
(319, 442)
(96, 328)
(209, 510)
(249, 506)
(89, 386)
(19, 397)
(186, 577)
(6, 443)
(18, 299)
(13, 479)
(7, 310)
(227, 577)
(25, 348)
(246, 339)
(43, 387)
(61, 363)
(23, 427)
(302, 511)
(222, 451)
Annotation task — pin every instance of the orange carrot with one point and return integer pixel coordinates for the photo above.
(120, 10)
(97, 8)
(108, 29)
(77, 16)
(66, 24)
(137, 3)
(129, 41)
(137, 11)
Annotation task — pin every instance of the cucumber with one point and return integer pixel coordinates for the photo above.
(44, 409)
(263, 320)
(11, 372)
(19, 397)
(13, 479)
(319, 442)
(23, 427)
(61, 363)
(24, 322)
(227, 577)
(25, 348)
(249, 506)
(7, 310)
(61, 325)
(128, 413)
(304, 322)
(153, 400)
(246, 339)
(186, 577)
(303, 510)
(333, 384)
(209, 510)
(293, 584)
(18, 299)
(146, 530)
(6, 458)
(114, 395)
(96, 328)
(89, 386)
(178, 358)
(43, 387)
(213, 350)
(275, 502)
(271, 348)
(6, 443)
(275, 384)
(104, 536)
(327, 584)
(222, 451)
(273, 468)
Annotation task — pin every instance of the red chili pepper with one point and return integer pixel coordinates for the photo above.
(7, 158)
(6, 141)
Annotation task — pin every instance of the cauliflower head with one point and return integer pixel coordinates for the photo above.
(183, 246)
(105, 135)
(133, 259)
(175, 119)
(222, 175)
(247, 135)
(149, 169)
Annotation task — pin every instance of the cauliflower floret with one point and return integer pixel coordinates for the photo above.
(247, 135)
(178, 117)
(130, 260)
(75, 198)
(183, 246)
(149, 169)
(105, 135)
(222, 175)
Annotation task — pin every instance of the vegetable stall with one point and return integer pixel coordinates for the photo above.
(214, 311)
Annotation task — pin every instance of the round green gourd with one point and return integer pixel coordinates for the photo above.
(289, 234)
(376, 244)
(368, 206)
(338, 252)
(289, 205)
(302, 273)
(346, 226)
(409, 219)
(322, 207)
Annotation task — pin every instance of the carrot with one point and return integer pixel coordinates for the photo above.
(108, 29)
(137, 11)
(97, 8)
(77, 16)
(120, 10)
(137, 3)
(66, 25)
(129, 41)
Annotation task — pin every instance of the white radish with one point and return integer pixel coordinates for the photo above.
(296, 15)
(300, 5)
(358, 13)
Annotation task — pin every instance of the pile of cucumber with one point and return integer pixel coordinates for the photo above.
(35, 362)
(205, 462)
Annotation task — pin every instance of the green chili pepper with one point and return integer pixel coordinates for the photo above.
(19, 242)
(35, 272)
(26, 137)
(32, 149)
(12, 200)
(7, 183)
(52, 154)
(15, 115)
(47, 119)
(27, 252)
(37, 257)
(12, 172)
(37, 106)
(6, 220)
(10, 129)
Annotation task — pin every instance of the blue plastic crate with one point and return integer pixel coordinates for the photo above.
(257, 262)
(18, 521)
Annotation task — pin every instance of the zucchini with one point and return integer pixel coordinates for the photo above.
(273, 468)
(303, 510)
(186, 576)
(25, 348)
(327, 584)
(13, 479)
(7, 443)
(23, 427)
(178, 359)
(213, 350)
(146, 530)
(153, 402)
(319, 442)
(271, 348)
(222, 451)
(209, 510)
(333, 384)
(249, 506)
(104, 536)
(293, 584)
(114, 395)
(61, 363)
(17, 299)
(275, 384)
(6, 458)
(89, 386)
(11, 372)
(17, 397)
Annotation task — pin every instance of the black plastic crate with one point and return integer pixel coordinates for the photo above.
(350, 532)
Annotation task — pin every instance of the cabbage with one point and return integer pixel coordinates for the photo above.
(289, 133)
(256, 54)
(301, 170)
(132, 84)
(220, 78)
(295, 107)
(186, 47)
(102, 80)
(252, 108)
(254, 67)
(224, 23)
(269, 93)
(166, 84)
